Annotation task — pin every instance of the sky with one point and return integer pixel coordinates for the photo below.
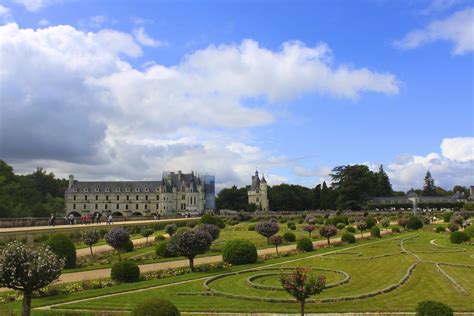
(124, 90)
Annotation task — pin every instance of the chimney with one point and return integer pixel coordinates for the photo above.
(71, 180)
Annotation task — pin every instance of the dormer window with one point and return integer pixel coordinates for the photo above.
(137, 190)
(107, 189)
(117, 190)
(127, 189)
(147, 189)
(74, 190)
(86, 190)
(96, 189)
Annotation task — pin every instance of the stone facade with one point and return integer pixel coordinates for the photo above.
(175, 193)
(257, 193)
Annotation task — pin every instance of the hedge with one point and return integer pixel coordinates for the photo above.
(459, 237)
(125, 271)
(154, 306)
(348, 238)
(63, 247)
(414, 223)
(375, 232)
(289, 237)
(239, 252)
(162, 251)
(431, 308)
(305, 244)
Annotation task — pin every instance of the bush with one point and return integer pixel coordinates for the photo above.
(340, 226)
(160, 238)
(453, 227)
(128, 246)
(63, 247)
(305, 244)
(396, 230)
(470, 231)
(155, 307)
(213, 230)
(370, 221)
(182, 230)
(432, 308)
(414, 223)
(375, 232)
(348, 238)
(440, 229)
(289, 237)
(239, 252)
(459, 237)
(125, 271)
(350, 229)
(162, 251)
(447, 216)
(251, 227)
(291, 226)
(213, 220)
(171, 229)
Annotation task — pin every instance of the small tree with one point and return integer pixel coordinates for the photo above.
(300, 286)
(147, 232)
(171, 229)
(328, 231)
(117, 237)
(26, 269)
(189, 244)
(310, 219)
(457, 220)
(309, 229)
(361, 226)
(403, 221)
(90, 238)
(276, 240)
(386, 223)
(267, 229)
(213, 230)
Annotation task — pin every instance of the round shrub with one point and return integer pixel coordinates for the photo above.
(128, 246)
(213, 230)
(414, 223)
(431, 308)
(305, 244)
(350, 229)
(239, 252)
(453, 227)
(125, 271)
(470, 231)
(251, 227)
(155, 307)
(63, 247)
(291, 226)
(440, 229)
(170, 229)
(162, 250)
(396, 230)
(370, 220)
(340, 225)
(375, 232)
(459, 237)
(348, 238)
(289, 237)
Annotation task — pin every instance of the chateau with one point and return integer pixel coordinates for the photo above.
(257, 193)
(175, 193)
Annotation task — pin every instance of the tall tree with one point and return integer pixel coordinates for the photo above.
(325, 198)
(429, 185)
(317, 197)
(383, 187)
(232, 199)
(354, 185)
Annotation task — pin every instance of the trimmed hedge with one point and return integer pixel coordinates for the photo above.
(128, 246)
(63, 247)
(440, 229)
(459, 237)
(350, 229)
(125, 271)
(239, 252)
(305, 244)
(414, 223)
(433, 308)
(291, 226)
(348, 238)
(470, 231)
(155, 307)
(289, 237)
(340, 226)
(375, 232)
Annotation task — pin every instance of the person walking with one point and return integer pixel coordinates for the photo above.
(99, 217)
(51, 220)
(110, 219)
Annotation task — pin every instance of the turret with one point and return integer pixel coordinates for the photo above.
(71, 180)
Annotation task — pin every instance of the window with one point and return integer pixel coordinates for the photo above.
(96, 206)
(157, 206)
(126, 206)
(136, 206)
(137, 190)
(107, 197)
(146, 197)
(96, 197)
(107, 189)
(183, 197)
(147, 189)
(74, 190)
(96, 189)
(136, 197)
(257, 200)
(118, 197)
(105, 206)
(85, 206)
(86, 190)
(74, 197)
(85, 197)
(127, 190)
(146, 206)
(117, 206)
(74, 206)
(157, 197)
(128, 197)
(117, 190)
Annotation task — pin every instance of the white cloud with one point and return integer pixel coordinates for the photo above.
(35, 5)
(437, 6)
(457, 28)
(43, 22)
(5, 14)
(88, 111)
(458, 149)
(143, 38)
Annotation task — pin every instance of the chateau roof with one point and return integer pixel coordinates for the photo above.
(114, 186)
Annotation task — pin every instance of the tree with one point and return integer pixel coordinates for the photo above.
(383, 187)
(189, 244)
(171, 229)
(309, 229)
(325, 198)
(232, 199)
(276, 240)
(317, 197)
(285, 197)
(90, 238)
(429, 185)
(385, 223)
(328, 231)
(147, 232)
(361, 226)
(301, 287)
(354, 185)
(27, 270)
(213, 230)
(267, 229)
(117, 238)
(403, 221)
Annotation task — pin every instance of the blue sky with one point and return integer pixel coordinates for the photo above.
(293, 87)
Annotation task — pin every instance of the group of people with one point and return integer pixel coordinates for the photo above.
(96, 218)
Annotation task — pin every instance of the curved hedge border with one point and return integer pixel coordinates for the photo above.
(365, 258)
(251, 278)
(455, 284)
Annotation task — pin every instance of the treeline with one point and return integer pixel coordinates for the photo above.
(350, 188)
(37, 194)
